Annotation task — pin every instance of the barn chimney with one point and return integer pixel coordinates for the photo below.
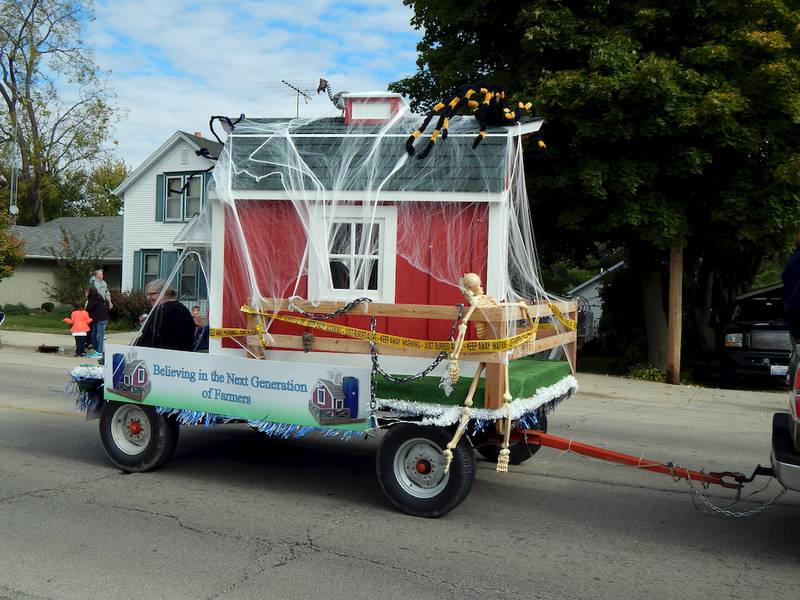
(370, 108)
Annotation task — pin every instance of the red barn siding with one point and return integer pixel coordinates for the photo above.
(266, 225)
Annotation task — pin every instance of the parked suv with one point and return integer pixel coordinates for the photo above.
(756, 341)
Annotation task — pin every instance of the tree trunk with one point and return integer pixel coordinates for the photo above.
(704, 317)
(675, 324)
(34, 200)
(655, 318)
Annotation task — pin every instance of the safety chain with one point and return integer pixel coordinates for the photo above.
(697, 495)
(378, 370)
(327, 316)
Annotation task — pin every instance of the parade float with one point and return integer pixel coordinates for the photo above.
(363, 281)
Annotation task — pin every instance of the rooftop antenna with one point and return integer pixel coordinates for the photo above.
(298, 93)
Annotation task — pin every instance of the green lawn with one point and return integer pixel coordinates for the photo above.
(47, 323)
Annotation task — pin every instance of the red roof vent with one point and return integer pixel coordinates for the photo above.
(370, 108)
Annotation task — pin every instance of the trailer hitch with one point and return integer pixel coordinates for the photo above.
(726, 479)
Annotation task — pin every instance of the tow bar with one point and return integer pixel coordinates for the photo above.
(726, 479)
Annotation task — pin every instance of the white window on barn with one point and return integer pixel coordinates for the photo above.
(151, 266)
(321, 396)
(361, 255)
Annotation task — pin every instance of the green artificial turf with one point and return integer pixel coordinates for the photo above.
(525, 377)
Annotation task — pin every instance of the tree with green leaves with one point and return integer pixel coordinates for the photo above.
(11, 253)
(41, 53)
(90, 193)
(670, 124)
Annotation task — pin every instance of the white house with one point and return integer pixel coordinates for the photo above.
(588, 294)
(160, 197)
(27, 284)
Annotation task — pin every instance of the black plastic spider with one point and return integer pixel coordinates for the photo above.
(488, 105)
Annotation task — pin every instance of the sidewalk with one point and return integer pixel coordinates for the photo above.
(30, 341)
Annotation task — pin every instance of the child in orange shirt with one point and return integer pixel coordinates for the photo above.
(79, 319)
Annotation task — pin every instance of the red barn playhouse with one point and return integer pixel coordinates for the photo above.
(329, 210)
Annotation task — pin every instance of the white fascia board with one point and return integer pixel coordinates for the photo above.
(387, 196)
(152, 159)
(523, 129)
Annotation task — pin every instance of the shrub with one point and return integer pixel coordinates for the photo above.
(647, 373)
(48, 306)
(62, 310)
(17, 309)
(127, 307)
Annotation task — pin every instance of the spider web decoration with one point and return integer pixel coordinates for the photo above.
(325, 210)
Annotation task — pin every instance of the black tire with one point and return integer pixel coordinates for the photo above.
(410, 465)
(489, 444)
(135, 437)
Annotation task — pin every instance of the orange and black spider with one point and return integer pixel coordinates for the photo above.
(488, 105)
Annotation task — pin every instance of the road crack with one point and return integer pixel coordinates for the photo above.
(43, 492)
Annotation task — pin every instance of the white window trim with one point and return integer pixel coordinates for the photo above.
(183, 178)
(386, 217)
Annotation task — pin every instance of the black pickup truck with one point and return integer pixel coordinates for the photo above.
(756, 341)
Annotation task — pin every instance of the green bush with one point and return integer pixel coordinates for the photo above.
(48, 306)
(647, 373)
(127, 308)
(16, 309)
(62, 310)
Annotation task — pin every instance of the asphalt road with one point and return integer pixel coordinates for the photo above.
(237, 515)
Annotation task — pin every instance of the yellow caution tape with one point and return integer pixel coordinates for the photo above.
(568, 323)
(498, 345)
(220, 332)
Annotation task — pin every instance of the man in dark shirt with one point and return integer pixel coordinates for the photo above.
(791, 304)
(170, 324)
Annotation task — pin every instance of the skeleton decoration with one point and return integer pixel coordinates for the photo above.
(337, 98)
(473, 292)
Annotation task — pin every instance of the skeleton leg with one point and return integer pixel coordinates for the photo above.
(464, 421)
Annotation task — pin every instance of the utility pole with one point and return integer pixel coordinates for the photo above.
(299, 93)
(675, 314)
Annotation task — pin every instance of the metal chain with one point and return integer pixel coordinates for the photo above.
(732, 513)
(327, 316)
(376, 367)
(378, 370)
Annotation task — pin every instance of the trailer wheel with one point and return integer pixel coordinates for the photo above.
(410, 465)
(135, 437)
(488, 445)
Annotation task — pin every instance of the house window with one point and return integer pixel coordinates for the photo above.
(321, 396)
(189, 277)
(151, 266)
(192, 197)
(360, 258)
(184, 197)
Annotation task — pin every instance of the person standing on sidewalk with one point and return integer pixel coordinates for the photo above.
(79, 319)
(96, 307)
(97, 281)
